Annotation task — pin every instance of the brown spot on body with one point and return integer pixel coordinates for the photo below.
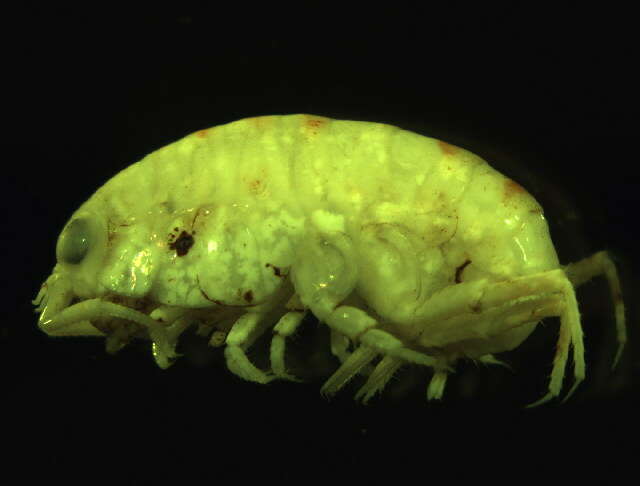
(447, 148)
(312, 125)
(256, 187)
(182, 244)
(248, 296)
(512, 189)
(202, 133)
(460, 269)
(476, 308)
(256, 182)
(276, 270)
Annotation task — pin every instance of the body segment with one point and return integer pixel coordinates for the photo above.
(410, 249)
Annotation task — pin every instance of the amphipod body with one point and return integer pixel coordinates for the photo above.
(410, 250)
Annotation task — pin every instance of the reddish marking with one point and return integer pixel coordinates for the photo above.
(256, 187)
(202, 133)
(447, 148)
(313, 125)
(512, 188)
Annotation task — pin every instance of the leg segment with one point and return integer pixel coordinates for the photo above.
(435, 390)
(601, 264)
(378, 378)
(483, 311)
(285, 327)
(492, 316)
(340, 349)
(492, 360)
(324, 276)
(487, 311)
(243, 333)
(352, 365)
(358, 326)
(339, 345)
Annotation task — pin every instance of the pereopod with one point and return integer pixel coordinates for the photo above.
(411, 250)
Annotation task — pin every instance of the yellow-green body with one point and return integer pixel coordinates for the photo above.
(269, 210)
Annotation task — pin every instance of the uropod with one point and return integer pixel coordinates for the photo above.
(411, 251)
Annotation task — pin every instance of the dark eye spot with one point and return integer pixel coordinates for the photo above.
(182, 244)
(74, 242)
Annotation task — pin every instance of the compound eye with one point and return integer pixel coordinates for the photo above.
(74, 242)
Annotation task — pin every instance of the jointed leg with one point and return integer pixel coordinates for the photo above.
(360, 358)
(357, 325)
(385, 370)
(492, 360)
(498, 307)
(340, 349)
(324, 276)
(285, 327)
(476, 310)
(243, 333)
(435, 389)
(378, 378)
(339, 345)
(601, 264)
(570, 333)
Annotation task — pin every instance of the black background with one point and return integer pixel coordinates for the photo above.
(545, 96)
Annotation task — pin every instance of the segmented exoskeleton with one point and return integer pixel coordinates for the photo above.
(410, 249)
